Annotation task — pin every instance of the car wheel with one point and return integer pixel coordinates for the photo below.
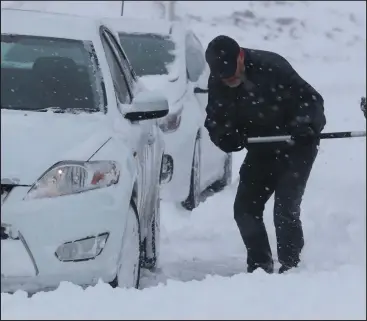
(193, 199)
(128, 270)
(227, 176)
(152, 243)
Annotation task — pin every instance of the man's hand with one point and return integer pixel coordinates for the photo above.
(225, 137)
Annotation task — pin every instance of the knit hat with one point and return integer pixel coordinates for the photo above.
(221, 56)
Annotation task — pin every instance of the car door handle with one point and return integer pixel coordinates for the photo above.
(198, 90)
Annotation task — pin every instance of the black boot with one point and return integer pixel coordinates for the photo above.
(267, 267)
(285, 268)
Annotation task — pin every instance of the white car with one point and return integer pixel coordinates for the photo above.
(81, 156)
(168, 56)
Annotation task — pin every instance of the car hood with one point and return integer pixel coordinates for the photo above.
(31, 142)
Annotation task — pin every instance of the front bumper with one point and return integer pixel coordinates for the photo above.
(43, 225)
(89, 277)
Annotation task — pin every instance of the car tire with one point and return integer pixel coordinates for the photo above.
(193, 200)
(151, 254)
(129, 264)
(227, 176)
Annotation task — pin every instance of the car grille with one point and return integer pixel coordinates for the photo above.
(5, 190)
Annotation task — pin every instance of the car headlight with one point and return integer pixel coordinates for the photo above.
(70, 177)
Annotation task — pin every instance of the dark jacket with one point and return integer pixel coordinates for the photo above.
(273, 100)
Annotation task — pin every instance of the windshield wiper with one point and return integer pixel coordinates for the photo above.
(24, 108)
(57, 110)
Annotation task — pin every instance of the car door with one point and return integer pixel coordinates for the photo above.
(124, 88)
(152, 169)
(212, 158)
(156, 141)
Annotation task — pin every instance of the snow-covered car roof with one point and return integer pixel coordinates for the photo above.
(131, 25)
(47, 24)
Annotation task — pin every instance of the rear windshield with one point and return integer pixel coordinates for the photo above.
(149, 54)
(40, 73)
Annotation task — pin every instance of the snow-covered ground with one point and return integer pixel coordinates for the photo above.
(202, 266)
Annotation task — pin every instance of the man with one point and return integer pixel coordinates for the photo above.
(255, 93)
(363, 105)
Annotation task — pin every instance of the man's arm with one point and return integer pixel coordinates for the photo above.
(221, 123)
(307, 105)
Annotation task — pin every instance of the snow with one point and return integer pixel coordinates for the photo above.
(140, 26)
(136, 9)
(201, 272)
(37, 23)
(261, 297)
(26, 130)
(19, 264)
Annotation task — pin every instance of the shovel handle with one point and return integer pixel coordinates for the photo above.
(288, 138)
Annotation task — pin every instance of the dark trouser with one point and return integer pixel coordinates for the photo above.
(261, 175)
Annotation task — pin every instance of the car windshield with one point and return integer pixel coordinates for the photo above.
(40, 73)
(149, 54)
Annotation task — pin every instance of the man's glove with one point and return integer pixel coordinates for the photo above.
(363, 105)
(303, 135)
(225, 135)
(229, 140)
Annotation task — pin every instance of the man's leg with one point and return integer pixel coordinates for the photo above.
(288, 197)
(257, 183)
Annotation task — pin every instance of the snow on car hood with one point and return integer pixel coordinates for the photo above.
(31, 142)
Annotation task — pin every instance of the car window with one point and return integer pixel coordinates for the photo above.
(130, 77)
(195, 60)
(118, 77)
(41, 72)
(149, 54)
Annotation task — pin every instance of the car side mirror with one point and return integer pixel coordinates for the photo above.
(198, 90)
(148, 105)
